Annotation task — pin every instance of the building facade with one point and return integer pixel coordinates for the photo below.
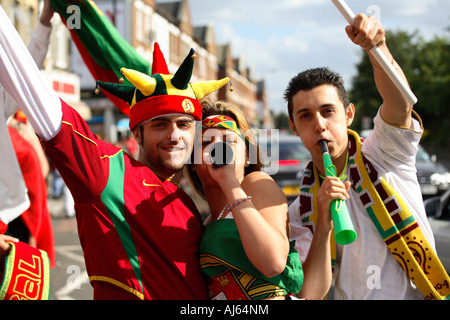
(141, 23)
(24, 14)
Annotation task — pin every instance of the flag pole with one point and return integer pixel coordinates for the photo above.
(348, 14)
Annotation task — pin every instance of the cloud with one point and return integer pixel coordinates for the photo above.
(281, 38)
(410, 8)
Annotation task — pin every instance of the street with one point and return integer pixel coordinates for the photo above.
(441, 230)
(69, 280)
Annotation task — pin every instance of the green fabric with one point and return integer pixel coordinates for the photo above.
(161, 88)
(113, 199)
(101, 39)
(221, 239)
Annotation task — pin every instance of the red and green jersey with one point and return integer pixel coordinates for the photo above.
(140, 234)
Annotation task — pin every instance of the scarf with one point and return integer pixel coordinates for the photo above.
(26, 275)
(392, 218)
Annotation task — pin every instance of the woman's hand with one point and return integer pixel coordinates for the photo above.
(225, 176)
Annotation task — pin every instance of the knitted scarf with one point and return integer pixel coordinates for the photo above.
(392, 218)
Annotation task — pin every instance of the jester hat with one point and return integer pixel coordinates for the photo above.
(161, 93)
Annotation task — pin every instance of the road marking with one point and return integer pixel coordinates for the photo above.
(74, 281)
(67, 251)
(64, 292)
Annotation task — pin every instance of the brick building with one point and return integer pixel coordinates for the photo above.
(24, 14)
(170, 24)
(141, 23)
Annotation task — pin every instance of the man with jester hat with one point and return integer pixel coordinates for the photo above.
(139, 231)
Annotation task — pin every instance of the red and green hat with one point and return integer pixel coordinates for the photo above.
(162, 93)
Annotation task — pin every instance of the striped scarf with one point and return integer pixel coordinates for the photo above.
(392, 218)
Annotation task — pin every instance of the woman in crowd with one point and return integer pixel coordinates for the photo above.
(245, 252)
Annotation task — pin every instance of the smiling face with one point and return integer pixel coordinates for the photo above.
(319, 114)
(166, 143)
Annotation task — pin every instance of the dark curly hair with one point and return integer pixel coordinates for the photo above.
(311, 79)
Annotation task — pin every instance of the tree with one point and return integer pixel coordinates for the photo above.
(427, 67)
(432, 83)
(282, 122)
(364, 93)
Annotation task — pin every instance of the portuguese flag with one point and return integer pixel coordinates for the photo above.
(101, 46)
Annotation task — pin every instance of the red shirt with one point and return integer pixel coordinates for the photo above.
(37, 217)
(140, 234)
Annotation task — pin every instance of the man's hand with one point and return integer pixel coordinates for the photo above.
(47, 13)
(4, 246)
(366, 32)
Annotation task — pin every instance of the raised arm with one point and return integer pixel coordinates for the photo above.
(40, 38)
(22, 79)
(367, 32)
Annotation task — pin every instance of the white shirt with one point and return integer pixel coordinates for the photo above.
(13, 191)
(22, 79)
(366, 269)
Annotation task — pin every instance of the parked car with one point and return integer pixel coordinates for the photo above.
(285, 157)
(438, 207)
(434, 179)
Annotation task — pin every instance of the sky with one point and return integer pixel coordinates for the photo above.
(281, 38)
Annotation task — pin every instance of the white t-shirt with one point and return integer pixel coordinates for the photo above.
(366, 269)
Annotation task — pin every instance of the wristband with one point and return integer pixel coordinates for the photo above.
(238, 202)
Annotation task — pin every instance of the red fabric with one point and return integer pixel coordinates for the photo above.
(28, 274)
(98, 73)
(37, 218)
(159, 62)
(3, 227)
(167, 104)
(163, 220)
(227, 285)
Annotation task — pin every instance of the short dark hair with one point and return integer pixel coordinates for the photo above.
(312, 78)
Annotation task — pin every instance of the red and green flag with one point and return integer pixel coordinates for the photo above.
(102, 48)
